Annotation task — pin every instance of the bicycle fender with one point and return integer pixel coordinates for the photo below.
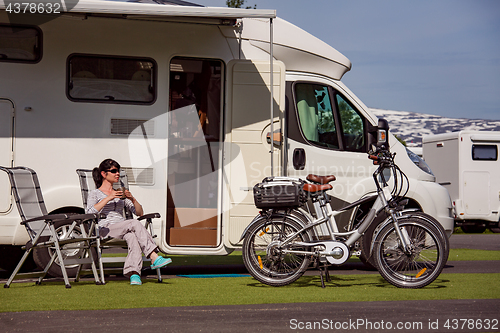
(259, 217)
(255, 220)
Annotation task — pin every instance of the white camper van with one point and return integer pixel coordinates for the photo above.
(180, 96)
(467, 164)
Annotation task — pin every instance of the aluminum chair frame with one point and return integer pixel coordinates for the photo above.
(86, 185)
(35, 218)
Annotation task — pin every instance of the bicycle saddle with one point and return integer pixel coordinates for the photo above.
(320, 179)
(313, 188)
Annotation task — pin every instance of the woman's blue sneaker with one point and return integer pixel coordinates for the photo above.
(135, 280)
(160, 262)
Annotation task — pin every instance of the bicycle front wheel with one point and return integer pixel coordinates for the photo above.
(266, 260)
(417, 267)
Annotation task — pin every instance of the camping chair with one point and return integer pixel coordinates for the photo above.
(86, 185)
(40, 227)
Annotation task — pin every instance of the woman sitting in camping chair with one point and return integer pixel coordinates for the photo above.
(104, 199)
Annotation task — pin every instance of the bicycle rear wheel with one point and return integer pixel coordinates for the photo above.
(424, 262)
(263, 257)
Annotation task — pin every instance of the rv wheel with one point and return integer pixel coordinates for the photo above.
(42, 255)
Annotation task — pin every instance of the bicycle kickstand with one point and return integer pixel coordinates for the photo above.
(321, 269)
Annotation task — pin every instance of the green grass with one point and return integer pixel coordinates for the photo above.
(459, 230)
(243, 290)
(236, 259)
(118, 294)
(471, 254)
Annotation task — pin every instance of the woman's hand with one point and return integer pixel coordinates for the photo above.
(111, 196)
(114, 194)
(128, 195)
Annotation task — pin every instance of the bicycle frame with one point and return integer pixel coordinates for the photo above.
(325, 215)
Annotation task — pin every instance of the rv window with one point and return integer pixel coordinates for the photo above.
(353, 132)
(111, 79)
(20, 43)
(484, 152)
(195, 87)
(316, 116)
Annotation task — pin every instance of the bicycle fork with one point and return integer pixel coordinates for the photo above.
(379, 204)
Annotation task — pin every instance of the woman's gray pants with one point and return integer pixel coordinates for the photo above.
(138, 240)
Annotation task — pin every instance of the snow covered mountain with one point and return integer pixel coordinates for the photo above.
(411, 126)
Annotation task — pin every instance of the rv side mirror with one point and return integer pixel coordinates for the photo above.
(382, 134)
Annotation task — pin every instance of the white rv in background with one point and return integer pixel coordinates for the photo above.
(467, 164)
(180, 96)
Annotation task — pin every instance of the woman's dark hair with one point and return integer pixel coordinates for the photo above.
(105, 166)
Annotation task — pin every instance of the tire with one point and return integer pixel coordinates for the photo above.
(473, 229)
(366, 240)
(436, 224)
(264, 261)
(42, 256)
(419, 268)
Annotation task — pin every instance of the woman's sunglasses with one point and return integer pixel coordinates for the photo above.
(114, 170)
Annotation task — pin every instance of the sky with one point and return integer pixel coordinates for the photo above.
(435, 57)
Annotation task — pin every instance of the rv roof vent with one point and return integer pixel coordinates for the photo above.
(140, 176)
(132, 127)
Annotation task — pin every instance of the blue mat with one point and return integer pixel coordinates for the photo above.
(205, 276)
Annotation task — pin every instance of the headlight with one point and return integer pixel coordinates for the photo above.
(419, 162)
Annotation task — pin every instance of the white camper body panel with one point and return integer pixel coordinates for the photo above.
(467, 164)
(45, 128)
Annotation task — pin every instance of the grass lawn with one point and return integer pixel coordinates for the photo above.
(471, 254)
(236, 259)
(118, 294)
(241, 290)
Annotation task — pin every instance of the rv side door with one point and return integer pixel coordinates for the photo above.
(247, 158)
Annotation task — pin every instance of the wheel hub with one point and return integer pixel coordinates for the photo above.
(273, 251)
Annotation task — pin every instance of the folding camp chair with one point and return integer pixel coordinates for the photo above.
(40, 227)
(86, 185)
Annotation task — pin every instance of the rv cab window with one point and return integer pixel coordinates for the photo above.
(20, 44)
(316, 115)
(109, 79)
(327, 119)
(352, 125)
